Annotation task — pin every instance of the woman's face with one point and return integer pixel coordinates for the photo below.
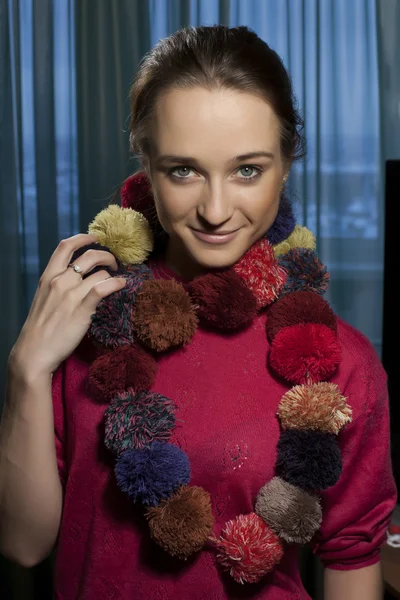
(214, 202)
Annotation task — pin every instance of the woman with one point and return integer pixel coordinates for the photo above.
(241, 418)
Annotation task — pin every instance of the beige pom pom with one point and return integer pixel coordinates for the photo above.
(292, 513)
(301, 237)
(319, 406)
(125, 232)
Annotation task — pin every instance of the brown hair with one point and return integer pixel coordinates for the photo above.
(214, 57)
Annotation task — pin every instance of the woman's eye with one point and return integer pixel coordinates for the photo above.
(183, 172)
(246, 171)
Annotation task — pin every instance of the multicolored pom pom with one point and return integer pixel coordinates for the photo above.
(112, 322)
(292, 513)
(310, 460)
(223, 300)
(153, 473)
(164, 316)
(182, 524)
(305, 271)
(260, 271)
(126, 367)
(133, 421)
(125, 231)
(248, 548)
(305, 353)
(319, 406)
(296, 308)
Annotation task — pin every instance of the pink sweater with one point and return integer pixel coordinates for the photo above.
(227, 401)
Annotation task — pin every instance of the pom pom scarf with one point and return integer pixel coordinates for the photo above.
(281, 274)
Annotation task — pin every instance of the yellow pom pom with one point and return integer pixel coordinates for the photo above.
(301, 237)
(125, 232)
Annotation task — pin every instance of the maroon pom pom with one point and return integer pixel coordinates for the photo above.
(116, 371)
(223, 300)
(296, 308)
(136, 193)
(248, 548)
(305, 353)
(261, 272)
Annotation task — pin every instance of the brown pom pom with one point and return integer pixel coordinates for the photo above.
(296, 308)
(182, 524)
(319, 406)
(293, 514)
(164, 315)
(223, 300)
(123, 368)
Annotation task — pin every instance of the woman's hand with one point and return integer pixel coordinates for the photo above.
(61, 310)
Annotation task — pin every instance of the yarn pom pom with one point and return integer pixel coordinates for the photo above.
(305, 271)
(319, 406)
(292, 513)
(260, 271)
(153, 473)
(94, 246)
(305, 353)
(164, 315)
(182, 524)
(299, 307)
(223, 300)
(116, 371)
(112, 323)
(310, 460)
(126, 232)
(301, 237)
(284, 223)
(248, 548)
(133, 421)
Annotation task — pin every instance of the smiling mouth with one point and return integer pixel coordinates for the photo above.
(215, 238)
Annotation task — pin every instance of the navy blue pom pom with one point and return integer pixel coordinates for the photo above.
(94, 246)
(284, 222)
(309, 459)
(153, 473)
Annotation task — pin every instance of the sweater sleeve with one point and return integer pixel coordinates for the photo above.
(357, 510)
(59, 422)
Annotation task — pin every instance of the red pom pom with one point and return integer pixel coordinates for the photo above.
(296, 308)
(223, 300)
(248, 548)
(136, 193)
(305, 353)
(262, 273)
(123, 368)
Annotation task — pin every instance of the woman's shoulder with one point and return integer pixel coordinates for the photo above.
(357, 347)
(361, 375)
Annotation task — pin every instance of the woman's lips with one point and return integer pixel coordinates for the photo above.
(215, 238)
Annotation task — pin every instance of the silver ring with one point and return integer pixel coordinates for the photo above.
(76, 268)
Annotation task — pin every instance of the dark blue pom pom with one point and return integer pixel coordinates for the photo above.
(309, 459)
(94, 246)
(153, 473)
(284, 223)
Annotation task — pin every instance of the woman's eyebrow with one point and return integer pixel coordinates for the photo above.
(172, 158)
